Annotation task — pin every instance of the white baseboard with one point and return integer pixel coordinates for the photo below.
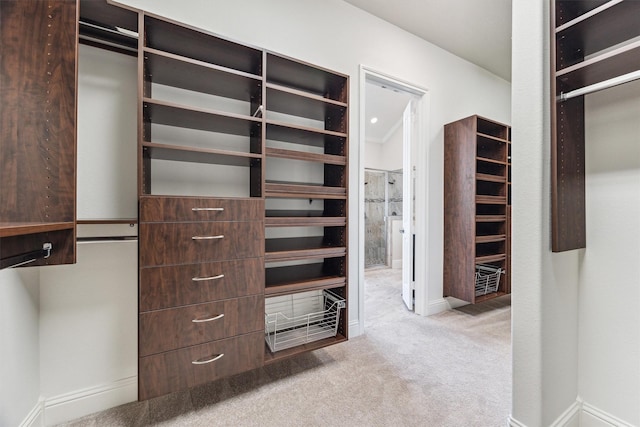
(35, 417)
(437, 306)
(570, 417)
(396, 263)
(79, 403)
(595, 417)
(580, 414)
(512, 422)
(354, 329)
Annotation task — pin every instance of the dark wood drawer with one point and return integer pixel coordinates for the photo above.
(175, 370)
(167, 209)
(174, 328)
(176, 285)
(187, 243)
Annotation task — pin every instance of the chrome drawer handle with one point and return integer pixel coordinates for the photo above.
(219, 316)
(207, 209)
(205, 361)
(201, 279)
(219, 236)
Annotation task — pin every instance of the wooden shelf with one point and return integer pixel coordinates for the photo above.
(298, 278)
(304, 156)
(490, 178)
(173, 70)
(490, 258)
(490, 296)
(314, 137)
(166, 113)
(490, 218)
(491, 137)
(608, 25)
(496, 200)
(199, 155)
(296, 190)
(492, 238)
(617, 62)
(187, 42)
(327, 84)
(285, 354)
(303, 221)
(487, 160)
(8, 229)
(296, 248)
(315, 108)
(569, 10)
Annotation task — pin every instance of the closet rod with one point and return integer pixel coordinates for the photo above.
(26, 258)
(606, 84)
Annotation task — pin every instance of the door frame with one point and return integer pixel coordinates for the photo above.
(421, 186)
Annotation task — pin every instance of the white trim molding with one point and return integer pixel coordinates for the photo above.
(607, 419)
(76, 404)
(35, 417)
(570, 417)
(575, 415)
(512, 422)
(438, 306)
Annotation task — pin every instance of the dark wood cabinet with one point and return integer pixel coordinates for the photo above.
(477, 232)
(243, 170)
(38, 59)
(593, 46)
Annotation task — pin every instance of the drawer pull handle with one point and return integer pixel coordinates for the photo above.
(202, 279)
(219, 236)
(205, 361)
(207, 209)
(219, 316)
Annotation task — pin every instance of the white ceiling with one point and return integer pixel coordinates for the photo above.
(387, 105)
(476, 30)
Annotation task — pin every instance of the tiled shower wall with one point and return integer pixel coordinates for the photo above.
(382, 198)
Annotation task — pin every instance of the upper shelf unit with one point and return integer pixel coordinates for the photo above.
(595, 45)
(200, 106)
(182, 41)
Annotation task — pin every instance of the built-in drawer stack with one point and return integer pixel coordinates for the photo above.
(201, 290)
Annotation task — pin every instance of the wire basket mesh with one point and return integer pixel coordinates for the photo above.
(487, 279)
(301, 318)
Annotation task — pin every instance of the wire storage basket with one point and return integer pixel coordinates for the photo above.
(487, 279)
(298, 319)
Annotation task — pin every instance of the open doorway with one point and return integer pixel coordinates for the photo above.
(391, 131)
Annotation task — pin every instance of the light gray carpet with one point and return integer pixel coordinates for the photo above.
(451, 369)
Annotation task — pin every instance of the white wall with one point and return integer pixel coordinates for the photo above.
(338, 36)
(387, 155)
(107, 135)
(544, 299)
(89, 331)
(19, 347)
(609, 328)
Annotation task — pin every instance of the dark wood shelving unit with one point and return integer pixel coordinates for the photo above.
(591, 43)
(206, 251)
(476, 215)
(310, 128)
(38, 144)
